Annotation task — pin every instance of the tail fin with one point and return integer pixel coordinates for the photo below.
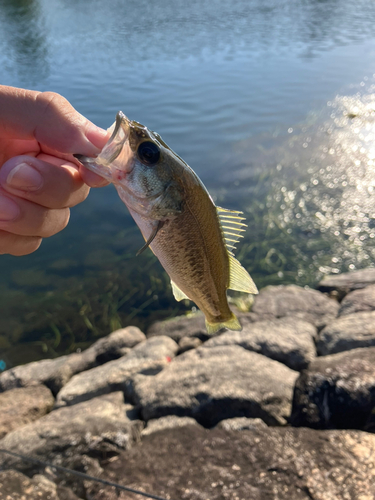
(231, 324)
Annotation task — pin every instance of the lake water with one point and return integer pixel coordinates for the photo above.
(271, 102)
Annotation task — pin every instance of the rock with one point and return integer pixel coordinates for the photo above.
(336, 391)
(150, 356)
(347, 332)
(291, 300)
(187, 343)
(217, 383)
(346, 282)
(242, 424)
(116, 344)
(54, 373)
(288, 340)
(168, 422)
(192, 463)
(192, 325)
(17, 486)
(97, 428)
(358, 301)
(23, 405)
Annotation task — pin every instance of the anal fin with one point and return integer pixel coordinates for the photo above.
(178, 293)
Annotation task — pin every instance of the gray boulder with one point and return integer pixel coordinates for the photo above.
(347, 332)
(192, 463)
(169, 422)
(242, 424)
(217, 383)
(16, 486)
(187, 343)
(99, 428)
(55, 373)
(336, 391)
(115, 345)
(347, 282)
(23, 405)
(358, 301)
(150, 356)
(192, 325)
(288, 340)
(291, 300)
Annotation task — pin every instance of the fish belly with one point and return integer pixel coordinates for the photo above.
(190, 247)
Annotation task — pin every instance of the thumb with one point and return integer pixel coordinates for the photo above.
(50, 119)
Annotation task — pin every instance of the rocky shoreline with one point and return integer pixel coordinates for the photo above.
(284, 409)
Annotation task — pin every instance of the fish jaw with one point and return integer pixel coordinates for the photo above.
(116, 159)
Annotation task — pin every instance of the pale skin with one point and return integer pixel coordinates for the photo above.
(40, 180)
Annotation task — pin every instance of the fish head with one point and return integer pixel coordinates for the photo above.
(144, 170)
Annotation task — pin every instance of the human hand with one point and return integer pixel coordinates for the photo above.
(39, 177)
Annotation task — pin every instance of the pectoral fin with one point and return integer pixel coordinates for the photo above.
(239, 278)
(178, 293)
(158, 226)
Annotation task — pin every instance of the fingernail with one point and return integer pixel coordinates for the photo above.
(24, 177)
(8, 209)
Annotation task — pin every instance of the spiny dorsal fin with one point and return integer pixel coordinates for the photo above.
(178, 293)
(232, 227)
(239, 278)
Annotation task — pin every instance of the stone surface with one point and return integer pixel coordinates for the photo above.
(288, 340)
(242, 424)
(99, 427)
(291, 300)
(149, 356)
(191, 463)
(17, 486)
(192, 325)
(187, 343)
(211, 384)
(336, 391)
(346, 282)
(347, 332)
(358, 301)
(23, 405)
(54, 373)
(169, 422)
(116, 344)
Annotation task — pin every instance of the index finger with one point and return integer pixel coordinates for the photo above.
(50, 119)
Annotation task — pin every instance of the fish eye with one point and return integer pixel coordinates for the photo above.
(148, 153)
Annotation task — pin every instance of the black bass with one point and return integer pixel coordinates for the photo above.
(192, 238)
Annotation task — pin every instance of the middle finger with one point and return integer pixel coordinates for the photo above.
(47, 181)
(22, 217)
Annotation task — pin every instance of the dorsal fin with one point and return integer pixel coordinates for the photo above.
(231, 226)
(239, 278)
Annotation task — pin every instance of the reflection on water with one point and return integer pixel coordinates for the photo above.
(23, 28)
(240, 90)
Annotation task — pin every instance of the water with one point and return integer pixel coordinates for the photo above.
(271, 102)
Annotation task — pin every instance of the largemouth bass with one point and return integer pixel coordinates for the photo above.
(192, 238)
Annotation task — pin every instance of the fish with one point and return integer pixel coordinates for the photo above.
(193, 239)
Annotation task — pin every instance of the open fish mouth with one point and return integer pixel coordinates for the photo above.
(101, 165)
